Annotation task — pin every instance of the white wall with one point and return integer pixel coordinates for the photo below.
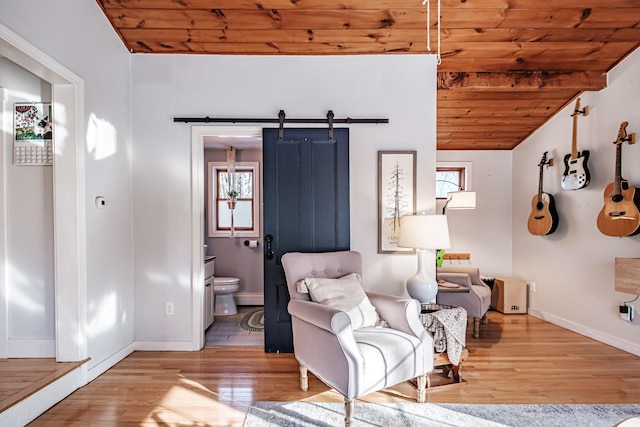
(398, 87)
(94, 52)
(484, 232)
(574, 267)
(29, 223)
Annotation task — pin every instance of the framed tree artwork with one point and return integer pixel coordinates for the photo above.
(396, 197)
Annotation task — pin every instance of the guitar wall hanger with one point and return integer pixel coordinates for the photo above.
(631, 139)
(584, 112)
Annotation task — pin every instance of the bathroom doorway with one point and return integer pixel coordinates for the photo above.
(239, 257)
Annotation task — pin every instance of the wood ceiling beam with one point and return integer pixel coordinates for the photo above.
(523, 80)
(540, 96)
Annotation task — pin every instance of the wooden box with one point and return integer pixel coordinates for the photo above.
(628, 275)
(509, 295)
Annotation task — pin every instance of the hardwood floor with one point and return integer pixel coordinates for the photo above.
(517, 359)
(23, 377)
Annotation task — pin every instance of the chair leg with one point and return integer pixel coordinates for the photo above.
(348, 412)
(485, 320)
(304, 378)
(476, 327)
(421, 383)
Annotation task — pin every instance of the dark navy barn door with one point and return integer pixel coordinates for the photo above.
(306, 209)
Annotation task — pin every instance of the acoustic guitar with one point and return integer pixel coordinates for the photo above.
(619, 216)
(543, 218)
(576, 173)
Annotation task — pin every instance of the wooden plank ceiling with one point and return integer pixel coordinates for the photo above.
(507, 65)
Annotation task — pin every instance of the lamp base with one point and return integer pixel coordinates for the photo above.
(423, 288)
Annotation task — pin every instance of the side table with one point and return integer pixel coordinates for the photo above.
(447, 325)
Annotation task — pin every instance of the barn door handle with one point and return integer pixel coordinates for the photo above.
(268, 239)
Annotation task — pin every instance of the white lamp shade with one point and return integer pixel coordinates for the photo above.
(461, 200)
(424, 232)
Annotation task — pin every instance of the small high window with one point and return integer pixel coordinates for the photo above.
(449, 179)
(233, 200)
(452, 176)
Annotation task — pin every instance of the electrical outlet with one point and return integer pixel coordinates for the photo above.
(627, 312)
(632, 312)
(168, 308)
(532, 286)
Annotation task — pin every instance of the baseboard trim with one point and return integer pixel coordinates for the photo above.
(31, 348)
(623, 345)
(116, 357)
(165, 346)
(249, 298)
(109, 362)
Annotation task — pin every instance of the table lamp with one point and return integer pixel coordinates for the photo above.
(460, 200)
(423, 232)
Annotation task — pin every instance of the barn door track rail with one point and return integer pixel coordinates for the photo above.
(281, 120)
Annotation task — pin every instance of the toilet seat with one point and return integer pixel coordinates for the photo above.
(225, 280)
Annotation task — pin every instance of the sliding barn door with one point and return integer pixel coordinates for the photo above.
(306, 209)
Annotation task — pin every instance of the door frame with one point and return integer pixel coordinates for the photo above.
(69, 224)
(198, 133)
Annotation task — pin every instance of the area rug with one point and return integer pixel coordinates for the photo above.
(299, 414)
(253, 321)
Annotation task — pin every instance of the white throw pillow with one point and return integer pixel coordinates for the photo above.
(301, 285)
(346, 294)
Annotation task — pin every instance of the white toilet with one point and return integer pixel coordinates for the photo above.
(223, 289)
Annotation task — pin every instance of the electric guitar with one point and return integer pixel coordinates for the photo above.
(543, 219)
(620, 216)
(576, 174)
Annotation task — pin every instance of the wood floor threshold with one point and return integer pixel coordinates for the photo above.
(62, 369)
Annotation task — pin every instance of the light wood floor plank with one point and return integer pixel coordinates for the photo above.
(517, 359)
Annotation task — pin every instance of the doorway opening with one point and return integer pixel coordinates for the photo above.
(235, 257)
(69, 198)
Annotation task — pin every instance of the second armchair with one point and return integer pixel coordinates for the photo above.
(476, 301)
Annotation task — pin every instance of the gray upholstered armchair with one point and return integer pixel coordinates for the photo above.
(331, 343)
(476, 301)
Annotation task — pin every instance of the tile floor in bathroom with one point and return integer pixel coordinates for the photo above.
(226, 331)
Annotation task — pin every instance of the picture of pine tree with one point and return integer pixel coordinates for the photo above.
(397, 197)
(396, 192)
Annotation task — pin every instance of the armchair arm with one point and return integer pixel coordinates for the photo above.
(320, 315)
(401, 313)
(462, 279)
(325, 344)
